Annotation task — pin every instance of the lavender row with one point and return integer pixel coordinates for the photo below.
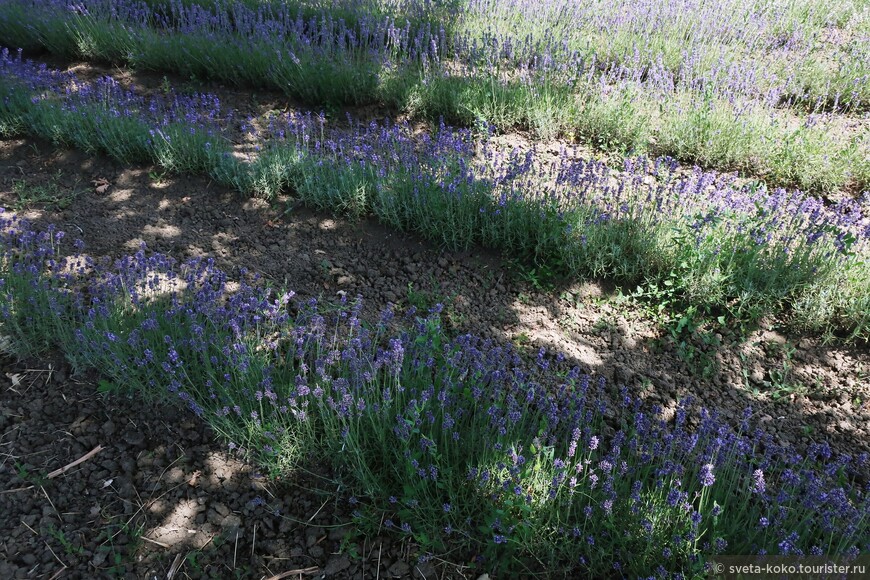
(319, 59)
(644, 188)
(723, 241)
(391, 148)
(736, 49)
(768, 51)
(457, 443)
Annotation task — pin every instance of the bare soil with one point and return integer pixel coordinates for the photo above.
(159, 499)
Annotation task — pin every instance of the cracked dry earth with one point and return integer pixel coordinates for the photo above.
(162, 498)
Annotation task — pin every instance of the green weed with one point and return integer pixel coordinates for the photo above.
(25, 474)
(68, 546)
(51, 195)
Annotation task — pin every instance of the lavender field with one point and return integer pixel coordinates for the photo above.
(710, 160)
(777, 91)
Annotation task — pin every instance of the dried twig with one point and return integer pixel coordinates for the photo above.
(296, 572)
(29, 528)
(254, 542)
(51, 503)
(81, 459)
(173, 569)
(318, 511)
(53, 554)
(156, 543)
(17, 489)
(380, 548)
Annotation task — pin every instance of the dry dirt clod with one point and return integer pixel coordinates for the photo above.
(101, 185)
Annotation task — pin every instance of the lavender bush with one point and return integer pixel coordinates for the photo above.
(456, 443)
(181, 133)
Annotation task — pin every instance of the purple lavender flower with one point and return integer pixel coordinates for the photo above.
(707, 477)
(572, 446)
(758, 484)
